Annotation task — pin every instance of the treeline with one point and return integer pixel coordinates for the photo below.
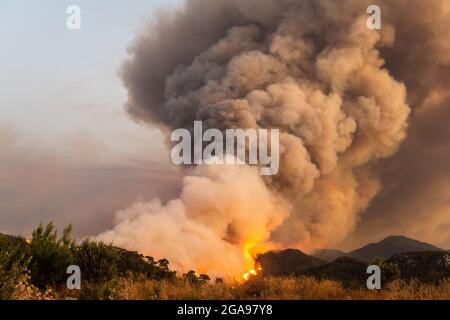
(36, 268)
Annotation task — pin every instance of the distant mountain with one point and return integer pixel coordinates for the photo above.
(287, 262)
(414, 259)
(329, 254)
(335, 264)
(390, 246)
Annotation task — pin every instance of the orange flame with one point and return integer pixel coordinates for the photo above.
(251, 273)
(250, 251)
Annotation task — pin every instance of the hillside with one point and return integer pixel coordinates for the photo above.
(414, 259)
(329, 254)
(390, 246)
(430, 266)
(8, 240)
(344, 269)
(287, 262)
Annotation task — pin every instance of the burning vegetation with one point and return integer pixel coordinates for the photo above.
(252, 273)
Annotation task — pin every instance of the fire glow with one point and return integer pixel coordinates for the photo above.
(250, 251)
(252, 273)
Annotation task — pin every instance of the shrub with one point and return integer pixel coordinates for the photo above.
(135, 263)
(99, 291)
(97, 261)
(50, 256)
(14, 277)
(192, 278)
(131, 262)
(389, 271)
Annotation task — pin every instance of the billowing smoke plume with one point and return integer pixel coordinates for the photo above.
(415, 199)
(310, 68)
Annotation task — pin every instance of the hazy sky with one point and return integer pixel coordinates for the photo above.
(68, 151)
(51, 78)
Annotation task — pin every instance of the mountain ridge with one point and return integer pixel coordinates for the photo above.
(391, 246)
(401, 258)
(384, 248)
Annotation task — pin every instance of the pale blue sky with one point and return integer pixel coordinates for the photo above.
(54, 81)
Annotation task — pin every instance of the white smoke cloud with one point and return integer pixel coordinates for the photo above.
(208, 227)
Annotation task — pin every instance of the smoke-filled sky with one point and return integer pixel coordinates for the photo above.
(68, 151)
(363, 116)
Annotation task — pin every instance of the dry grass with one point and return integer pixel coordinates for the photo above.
(302, 288)
(284, 288)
